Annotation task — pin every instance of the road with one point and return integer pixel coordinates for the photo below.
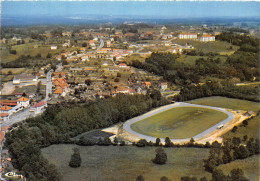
(101, 44)
(48, 85)
(19, 116)
(127, 124)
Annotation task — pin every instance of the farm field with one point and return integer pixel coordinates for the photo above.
(179, 122)
(250, 166)
(230, 103)
(117, 163)
(31, 49)
(215, 47)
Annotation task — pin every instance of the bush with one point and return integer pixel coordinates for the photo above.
(75, 160)
(141, 143)
(14, 52)
(160, 157)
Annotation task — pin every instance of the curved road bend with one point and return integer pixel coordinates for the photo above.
(127, 124)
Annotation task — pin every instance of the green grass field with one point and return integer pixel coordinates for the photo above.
(252, 130)
(229, 103)
(117, 163)
(179, 122)
(250, 166)
(206, 47)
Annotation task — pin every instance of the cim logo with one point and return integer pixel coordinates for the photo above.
(14, 175)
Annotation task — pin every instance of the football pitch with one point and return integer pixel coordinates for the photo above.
(179, 122)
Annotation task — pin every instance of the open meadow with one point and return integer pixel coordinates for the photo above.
(117, 163)
(179, 122)
(250, 166)
(220, 47)
(230, 103)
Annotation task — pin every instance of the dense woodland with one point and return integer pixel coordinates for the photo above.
(61, 122)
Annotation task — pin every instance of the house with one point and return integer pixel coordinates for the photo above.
(206, 38)
(24, 78)
(23, 102)
(164, 85)
(59, 92)
(6, 109)
(92, 43)
(53, 47)
(187, 36)
(38, 107)
(4, 117)
(122, 65)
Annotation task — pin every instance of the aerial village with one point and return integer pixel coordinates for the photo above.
(98, 69)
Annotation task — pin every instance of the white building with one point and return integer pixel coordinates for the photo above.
(187, 36)
(24, 78)
(53, 47)
(39, 107)
(206, 38)
(23, 102)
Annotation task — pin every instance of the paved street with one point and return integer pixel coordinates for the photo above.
(48, 85)
(127, 124)
(101, 44)
(19, 116)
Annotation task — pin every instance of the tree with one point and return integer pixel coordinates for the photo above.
(140, 178)
(141, 143)
(160, 157)
(168, 142)
(118, 74)
(157, 142)
(116, 80)
(14, 52)
(218, 175)
(164, 179)
(84, 44)
(9, 72)
(75, 160)
(48, 55)
(238, 175)
(203, 179)
(88, 81)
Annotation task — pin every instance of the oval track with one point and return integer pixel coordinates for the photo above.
(127, 124)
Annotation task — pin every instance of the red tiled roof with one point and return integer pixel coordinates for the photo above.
(3, 114)
(5, 108)
(8, 102)
(2, 136)
(4, 128)
(23, 99)
(39, 104)
(147, 83)
(207, 36)
(58, 91)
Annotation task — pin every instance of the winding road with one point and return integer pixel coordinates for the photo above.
(127, 124)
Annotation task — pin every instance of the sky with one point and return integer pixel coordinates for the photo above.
(142, 9)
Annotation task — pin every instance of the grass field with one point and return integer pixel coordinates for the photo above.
(250, 166)
(30, 89)
(117, 163)
(252, 130)
(191, 60)
(31, 49)
(179, 122)
(12, 71)
(229, 103)
(215, 47)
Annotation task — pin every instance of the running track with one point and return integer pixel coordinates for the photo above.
(127, 124)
